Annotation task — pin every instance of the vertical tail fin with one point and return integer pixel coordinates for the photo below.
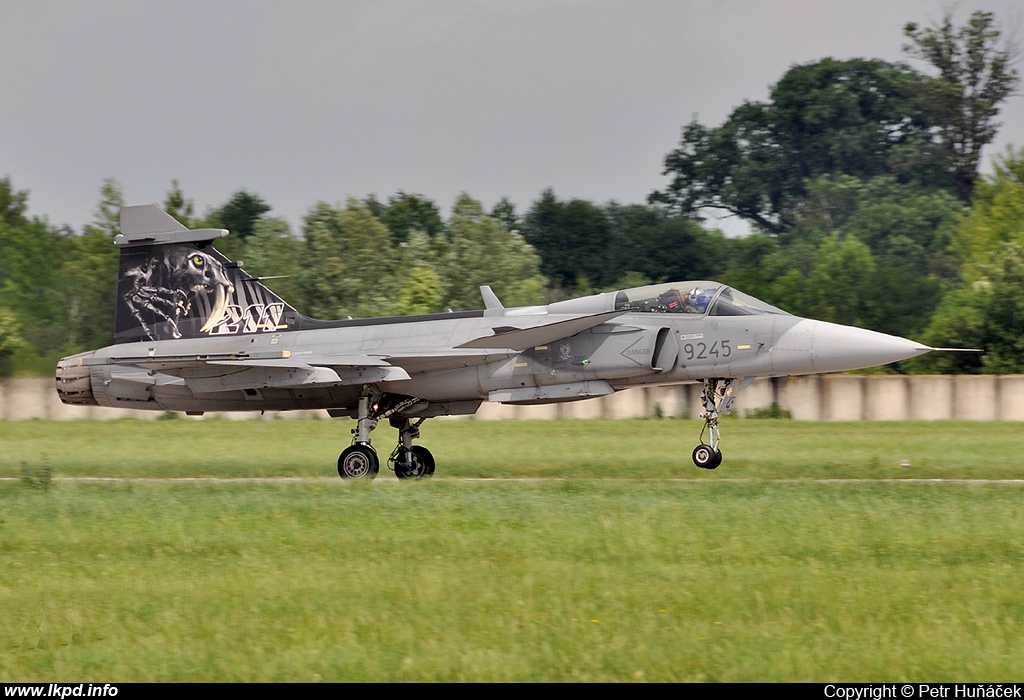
(172, 284)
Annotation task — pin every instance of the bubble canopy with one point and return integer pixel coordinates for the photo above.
(697, 298)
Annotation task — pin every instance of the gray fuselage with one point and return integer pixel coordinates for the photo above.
(635, 348)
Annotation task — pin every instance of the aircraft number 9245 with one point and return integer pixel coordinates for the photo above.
(701, 351)
(189, 321)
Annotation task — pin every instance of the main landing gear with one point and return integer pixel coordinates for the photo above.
(407, 460)
(716, 397)
(360, 461)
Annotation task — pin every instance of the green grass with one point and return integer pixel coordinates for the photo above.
(717, 578)
(572, 449)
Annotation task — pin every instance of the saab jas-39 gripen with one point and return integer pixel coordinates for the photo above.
(195, 333)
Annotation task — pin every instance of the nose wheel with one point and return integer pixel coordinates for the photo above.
(707, 457)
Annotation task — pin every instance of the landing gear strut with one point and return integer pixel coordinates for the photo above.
(410, 461)
(716, 397)
(360, 461)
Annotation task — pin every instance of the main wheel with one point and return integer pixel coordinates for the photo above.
(420, 464)
(428, 459)
(706, 457)
(358, 462)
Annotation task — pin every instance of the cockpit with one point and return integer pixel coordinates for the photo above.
(697, 298)
(694, 298)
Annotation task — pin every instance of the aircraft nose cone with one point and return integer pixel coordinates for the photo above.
(836, 348)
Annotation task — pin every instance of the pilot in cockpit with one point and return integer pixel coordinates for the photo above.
(696, 300)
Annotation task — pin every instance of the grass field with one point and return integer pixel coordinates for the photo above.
(631, 566)
(572, 449)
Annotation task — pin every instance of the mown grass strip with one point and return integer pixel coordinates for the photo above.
(511, 581)
(587, 449)
(801, 558)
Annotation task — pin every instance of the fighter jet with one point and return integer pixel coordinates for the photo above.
(194, 332)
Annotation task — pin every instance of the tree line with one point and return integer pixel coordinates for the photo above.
(859, 178)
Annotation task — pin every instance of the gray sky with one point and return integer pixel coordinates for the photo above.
(313, 100)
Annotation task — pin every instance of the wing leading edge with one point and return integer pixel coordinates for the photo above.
(519, 339)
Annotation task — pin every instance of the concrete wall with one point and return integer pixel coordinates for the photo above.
(836, 397)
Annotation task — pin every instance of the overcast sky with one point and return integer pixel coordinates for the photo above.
(311, 100)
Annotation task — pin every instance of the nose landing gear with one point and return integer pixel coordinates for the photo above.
(716, 397)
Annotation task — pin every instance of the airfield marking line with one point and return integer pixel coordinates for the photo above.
(685, 480)
(160, 479)
(756, 480)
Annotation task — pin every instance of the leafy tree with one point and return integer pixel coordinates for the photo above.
(91, 298)
(482, 251)
(976, 75)
(423, 251)
(505, 212)
(352, 268)
(32, 282)
(584, 246)
(904, 224)
(838, 280)
(178, 206)
(13, 204)
(107, 217)
(987, 313)
(271, 251)
(987, 310)
(376, 207)
(239, 216)
(422, 261)
(422, 292)
(862, 118)
(630, 278)
(572, 239)
(408, 212)
(658, 247)
(758, 264)
(826, 117)
(997, 215)
(840, 286)
(10, 340)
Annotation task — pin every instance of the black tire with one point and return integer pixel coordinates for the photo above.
(428, 460)
(358, 462)
(420, 466)
(706, 457)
